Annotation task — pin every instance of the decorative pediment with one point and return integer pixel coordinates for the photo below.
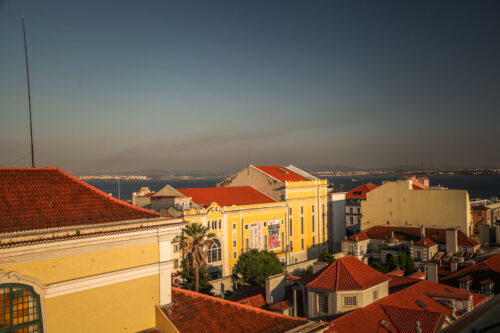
(15, 277)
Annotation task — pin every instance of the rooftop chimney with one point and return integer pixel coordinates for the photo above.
(275, 288)
(432, 272)
(422, 232)
(451, 240)
(453, 266)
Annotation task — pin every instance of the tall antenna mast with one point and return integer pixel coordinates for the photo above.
(29, 93)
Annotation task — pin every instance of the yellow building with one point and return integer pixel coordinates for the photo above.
(407, 204)
(279, 209)
(73, 259)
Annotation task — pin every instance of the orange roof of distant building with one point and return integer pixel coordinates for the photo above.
(483, 270)
(396, 272)
(194, 312)
(347, 273)
(42, 198)
(257, 301)
(410, 233)
(398, 283)
(417, 275)
(360, 191)
(226, 196)
(358, 237)
(281, 173)
(400, 311)
(281, 306)
(427, 242)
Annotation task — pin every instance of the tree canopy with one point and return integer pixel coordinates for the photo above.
(326, 257)
(255, 266)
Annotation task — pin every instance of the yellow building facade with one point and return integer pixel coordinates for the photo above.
(399, 203)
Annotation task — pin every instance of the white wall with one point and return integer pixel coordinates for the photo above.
(336, 219)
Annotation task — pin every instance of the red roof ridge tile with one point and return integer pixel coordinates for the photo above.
(270, 170)
(243, 306)
(240, 195)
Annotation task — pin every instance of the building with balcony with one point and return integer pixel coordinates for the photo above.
(353, 207)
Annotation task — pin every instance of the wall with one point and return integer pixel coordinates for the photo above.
(401, 206)
(336, 220)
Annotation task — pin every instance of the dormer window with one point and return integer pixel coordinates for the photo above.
(487, 286)
(465, 282)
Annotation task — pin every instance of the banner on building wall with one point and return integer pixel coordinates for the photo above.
(256, 236)
(273, 234)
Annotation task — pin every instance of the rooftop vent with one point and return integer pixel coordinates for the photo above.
(421, 304)
(284, 170)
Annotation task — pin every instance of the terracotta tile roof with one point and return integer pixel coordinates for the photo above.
(360, 191)
(427, 242)
(347, 273)
(194, 312)
(417, 275)
(408, 233)
(281, 173)
(400, 311)
(486, 269)
(226, 196)
(359, 237)
(246, 291)
(398, 283)
(396, 272)
(40, 198)
(257, 301)
(281, 306)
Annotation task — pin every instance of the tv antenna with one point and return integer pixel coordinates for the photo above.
(29, 93)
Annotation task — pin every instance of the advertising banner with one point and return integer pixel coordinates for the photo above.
(274, 234)
(256, 236)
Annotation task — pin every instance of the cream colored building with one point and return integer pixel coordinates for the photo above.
(401, 203)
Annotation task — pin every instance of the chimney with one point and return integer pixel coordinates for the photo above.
(275, 288)
(432, 272)
(451, 240)
(453, 266)
(422, 232)
(484, 234)
(318, 265)
(294, 302)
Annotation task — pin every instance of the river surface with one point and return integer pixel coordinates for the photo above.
(477, 186)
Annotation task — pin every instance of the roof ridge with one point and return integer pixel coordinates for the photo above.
(244, 306)
(257, 168)
(107, 196)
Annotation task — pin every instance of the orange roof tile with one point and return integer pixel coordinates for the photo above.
(347, 273)
(427, 242)
(281, 173)
(417, 275)
(226, 196)
(41, 198)
(358, 237)
(281, 306)
(409, 233)
(398, 283)
(403, 309)
(194, 312)
(257, 301)
(396, 272)
(360, 191)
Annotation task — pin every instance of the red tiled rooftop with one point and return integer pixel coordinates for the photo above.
(281, 173)
(257, 301)
(226, 196)
(396, 272)
(194, 312)
(358, 237)
(360, 191)
(402, 309)
(400, 282)
(417, 275)
(281, 306)
(409, 233)
(41, 198)
(427, 242)
(347, 273)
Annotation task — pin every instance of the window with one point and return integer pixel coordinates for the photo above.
(282, 241)
(246, 226)
(265, 242)
(235, 255)
(291, 246)
(314, 240)
(290, 227)
(302, 245)
(302, 225)
(20, 309)
(176, 263)
(234, 226)
(313, 223)
(290, 211)
(418, 256)
(220, 224)
(323, 303)
(265, 224)
(246, 244)
(351, 249)
(358, 210)
(351, 210)
(176, 248)
(375, 294)
(350, 301)
(214, 252)
(351, 220)
(234, 243)
(312, 207)
(302, 210)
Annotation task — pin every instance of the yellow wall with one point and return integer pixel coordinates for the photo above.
(122, 307)
(83, 265)
(401, 206)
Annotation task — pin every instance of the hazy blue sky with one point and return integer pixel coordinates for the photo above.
(129, 85)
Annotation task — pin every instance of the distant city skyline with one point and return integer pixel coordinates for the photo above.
(124, 85)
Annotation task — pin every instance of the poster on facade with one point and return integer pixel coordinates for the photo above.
(256, 236)
(274, 234)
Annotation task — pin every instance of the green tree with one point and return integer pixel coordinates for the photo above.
(188, 278)
(255, 266)
(326, 257)
(307, 271)
(376, 264)
(194, 242)
(403, 261)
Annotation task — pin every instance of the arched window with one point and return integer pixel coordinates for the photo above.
(19, 309)
(214, 252)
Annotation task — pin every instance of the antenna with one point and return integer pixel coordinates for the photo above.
(29, 93)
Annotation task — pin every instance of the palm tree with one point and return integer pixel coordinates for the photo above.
(194, 242)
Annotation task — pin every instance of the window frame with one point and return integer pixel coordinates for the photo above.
(36, 298)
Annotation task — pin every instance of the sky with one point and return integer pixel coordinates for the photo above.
(211, 85)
